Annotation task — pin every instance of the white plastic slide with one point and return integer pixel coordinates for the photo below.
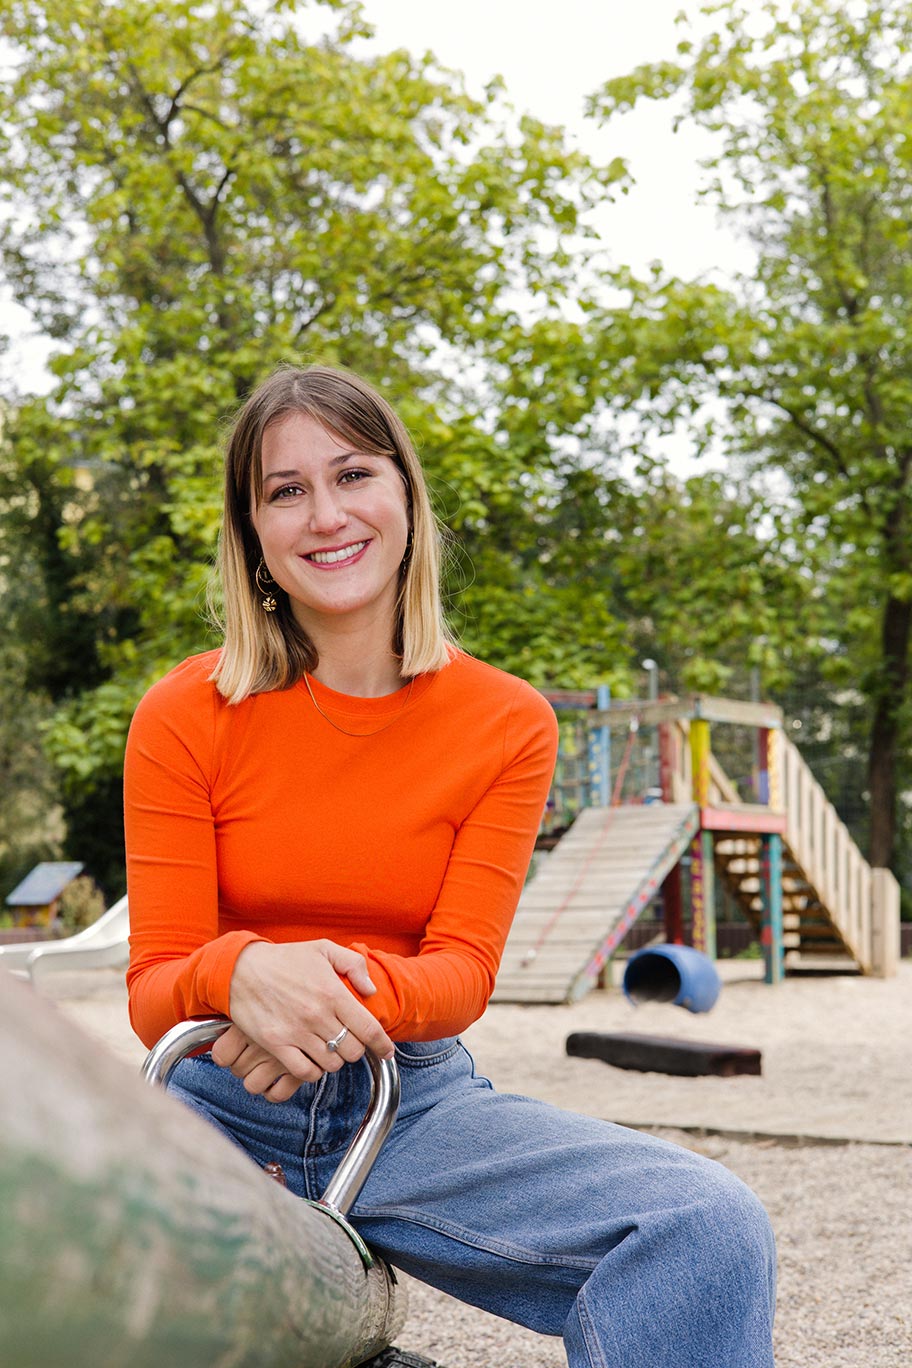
(103, 945)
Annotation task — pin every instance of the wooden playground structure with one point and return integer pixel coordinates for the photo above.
(785, 860)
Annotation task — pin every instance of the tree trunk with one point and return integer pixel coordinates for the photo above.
(885, 729)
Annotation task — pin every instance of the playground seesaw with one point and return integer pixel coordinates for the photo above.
(134, 1235)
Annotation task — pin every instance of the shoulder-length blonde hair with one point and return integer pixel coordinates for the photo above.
(263, 650)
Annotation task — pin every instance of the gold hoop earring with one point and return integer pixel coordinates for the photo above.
(265, 583)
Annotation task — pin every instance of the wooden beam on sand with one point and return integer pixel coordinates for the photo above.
(664, 1054)
(134, 1235)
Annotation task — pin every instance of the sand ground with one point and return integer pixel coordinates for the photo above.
(824, 1136)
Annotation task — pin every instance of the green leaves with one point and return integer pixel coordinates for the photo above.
(811, 357)
(197, 193)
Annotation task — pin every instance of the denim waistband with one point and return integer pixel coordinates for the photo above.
(324, 1114)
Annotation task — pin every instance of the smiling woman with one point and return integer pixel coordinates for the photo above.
(300, 425)
(328, 827)
(333, 526)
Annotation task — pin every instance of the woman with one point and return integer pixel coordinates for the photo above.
(328, 826)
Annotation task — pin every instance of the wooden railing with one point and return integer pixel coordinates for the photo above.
(862, 903)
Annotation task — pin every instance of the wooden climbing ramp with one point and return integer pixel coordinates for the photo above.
(585, 896)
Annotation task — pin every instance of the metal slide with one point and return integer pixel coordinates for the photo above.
(103, 945)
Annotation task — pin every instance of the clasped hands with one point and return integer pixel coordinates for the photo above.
(286, 1002)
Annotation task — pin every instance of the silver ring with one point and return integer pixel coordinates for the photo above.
(333, 1045)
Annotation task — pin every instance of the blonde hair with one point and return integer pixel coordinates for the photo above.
(265, 651)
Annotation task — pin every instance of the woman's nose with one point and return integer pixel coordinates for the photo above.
(326, 511)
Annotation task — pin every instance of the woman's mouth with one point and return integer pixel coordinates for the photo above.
(340, 556)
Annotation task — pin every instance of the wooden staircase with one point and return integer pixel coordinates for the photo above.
(837, 910)
(809, 930)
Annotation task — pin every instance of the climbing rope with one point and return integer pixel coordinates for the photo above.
(532, 953)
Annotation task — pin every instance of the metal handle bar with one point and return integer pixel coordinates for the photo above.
(350, 1176)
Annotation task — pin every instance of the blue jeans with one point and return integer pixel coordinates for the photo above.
(640, 1253)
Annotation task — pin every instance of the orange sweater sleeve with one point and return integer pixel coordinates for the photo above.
(446, 986)
(180, 966)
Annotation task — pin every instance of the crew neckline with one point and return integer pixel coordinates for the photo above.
(355, 706)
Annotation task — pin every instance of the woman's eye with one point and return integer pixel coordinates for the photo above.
(292, 491)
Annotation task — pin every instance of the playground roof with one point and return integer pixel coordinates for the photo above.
(45, 883)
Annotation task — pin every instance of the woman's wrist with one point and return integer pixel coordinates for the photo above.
(250, 972)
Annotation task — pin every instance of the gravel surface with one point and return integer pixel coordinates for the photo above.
(824, 1137)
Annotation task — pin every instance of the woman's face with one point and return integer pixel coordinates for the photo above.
(333, 525)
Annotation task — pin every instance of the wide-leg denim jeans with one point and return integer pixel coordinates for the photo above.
(640, 1253)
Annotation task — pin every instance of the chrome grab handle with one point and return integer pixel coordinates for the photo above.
(356, 1163)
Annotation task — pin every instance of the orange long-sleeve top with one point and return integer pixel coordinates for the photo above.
(261, 821)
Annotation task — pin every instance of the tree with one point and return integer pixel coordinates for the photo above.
(194, 192)
(30, 818)
(811, 355)
(702, 573)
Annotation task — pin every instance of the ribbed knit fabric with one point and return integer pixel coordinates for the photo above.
(261, 821)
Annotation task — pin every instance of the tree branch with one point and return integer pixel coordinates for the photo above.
(194, 76)
(208, 114)
(803, 425)
(204, 212)
(312, 317)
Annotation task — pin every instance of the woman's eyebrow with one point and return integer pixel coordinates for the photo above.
(279, 475)
(334, 461)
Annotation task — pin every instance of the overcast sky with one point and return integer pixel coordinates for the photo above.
(551, 56)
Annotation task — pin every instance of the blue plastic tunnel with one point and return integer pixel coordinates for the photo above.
(672, 973)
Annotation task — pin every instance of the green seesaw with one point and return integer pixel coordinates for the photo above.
(133, 1235)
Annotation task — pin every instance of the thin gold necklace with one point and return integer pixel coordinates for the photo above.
(344, 730)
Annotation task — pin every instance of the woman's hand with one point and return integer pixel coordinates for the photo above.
(260, 1071)
(287, 1001)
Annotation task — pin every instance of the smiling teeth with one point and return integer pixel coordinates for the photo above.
(331, 557)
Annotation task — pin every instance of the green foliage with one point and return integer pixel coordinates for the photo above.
(810, 356)
(708, 577)
(31, 826)
(195, 192)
